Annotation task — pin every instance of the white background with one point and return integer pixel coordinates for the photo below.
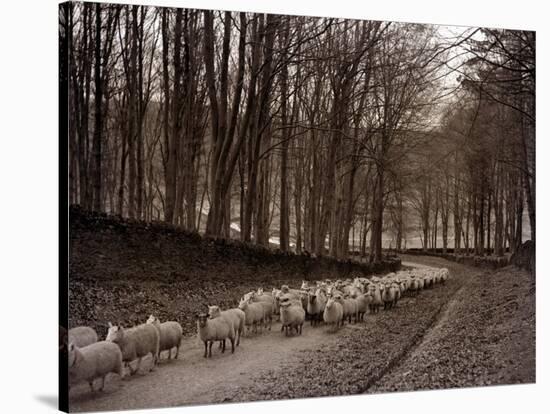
(29, 189)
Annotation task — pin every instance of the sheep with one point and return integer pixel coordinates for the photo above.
(332, 291)
(211, 330)
(420, 282)
(402, 287)
(350, 307)
(415, 286)
(268, 303)
(388, 296)
(82, 336)
(276, 293)
(316, 306)
(352, 291)
(135, 343)
(444, 274)
(375, 291)
(235, 316)
(94, 361)
(396, 292)
(254, 314)
(171, 334)
(363, 303)
(333, 314)
(292, 316)
(428, 281)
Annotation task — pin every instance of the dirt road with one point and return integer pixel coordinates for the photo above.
(434, 340)
(193, 379)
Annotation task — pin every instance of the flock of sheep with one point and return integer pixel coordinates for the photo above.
(331, 302)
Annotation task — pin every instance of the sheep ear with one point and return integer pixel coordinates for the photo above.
(110, 325)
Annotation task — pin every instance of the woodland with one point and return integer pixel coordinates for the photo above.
(309, 134)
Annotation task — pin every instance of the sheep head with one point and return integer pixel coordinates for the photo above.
(152, 319)
(115, 333)
(213, 311)
(202, 319)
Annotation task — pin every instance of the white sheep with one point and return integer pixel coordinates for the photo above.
(268, 303)
(135, 343)
(171, 334)
(333, 314)
(444, 274)
(94, 361)
(212, 330)
(420, 282)
(350, 307)
(388, 296)
(363, 303)
(276, 293)
(414, 286)
(402, 287)
(376, 293)
(316, 306)
(235, 316)
(82, 336)
(254, 314)
(394, 287)
(292, 316)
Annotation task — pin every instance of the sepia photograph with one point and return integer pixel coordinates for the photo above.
(271, 206)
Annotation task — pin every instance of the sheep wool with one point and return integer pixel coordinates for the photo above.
(268, 303)
(82, 336)
(333, 314)
(94, 361)
(212, 330)
(234, 316)
(316, 306)
(171, 334)
(136, 342)
(292, 317)
(254, 314)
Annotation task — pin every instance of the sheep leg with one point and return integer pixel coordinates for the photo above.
(210, 348)
(177, 351)
(170, 353)
(223, 345)
(155, 361)
(138, 364)
(205, 348)
(102, 383)
(91, 385)
(232, 345)
(132, 370)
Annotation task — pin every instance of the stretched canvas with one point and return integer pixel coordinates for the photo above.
(266, 207)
